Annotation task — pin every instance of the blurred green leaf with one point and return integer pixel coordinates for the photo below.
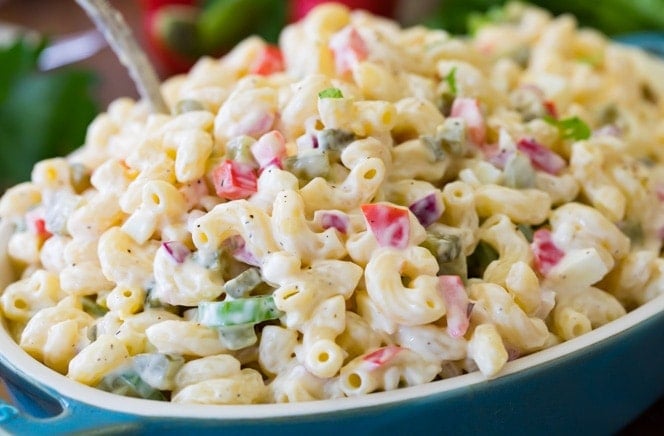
(41, 114)
(223, 23)
(612, 17)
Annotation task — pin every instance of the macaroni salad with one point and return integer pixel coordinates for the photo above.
(361, 208)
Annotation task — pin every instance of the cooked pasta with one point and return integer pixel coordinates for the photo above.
(392, 207)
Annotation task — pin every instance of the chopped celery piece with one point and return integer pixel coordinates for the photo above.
(333, 141)
(238, 149)
(243, 283)
(331, 93)
(236, 337)
(93, 308)
(158, 369)
(127, 382)
(519, 172)
(308, 165)
(240, 311)
(477, 262)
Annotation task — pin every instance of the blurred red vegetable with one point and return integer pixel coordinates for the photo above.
(386, 8)
(178, 32)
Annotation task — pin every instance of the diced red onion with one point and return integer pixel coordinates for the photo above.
(238, 248)
(177, 250)
(427, 209)
(541, 157)
(328, 218)
(382, 355)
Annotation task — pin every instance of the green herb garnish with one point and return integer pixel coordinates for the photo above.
(331, 93)
(570, 128)
(450, 78)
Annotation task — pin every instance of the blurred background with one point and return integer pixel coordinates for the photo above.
(57, 73)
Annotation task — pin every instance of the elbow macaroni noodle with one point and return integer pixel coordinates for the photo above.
(432, 157)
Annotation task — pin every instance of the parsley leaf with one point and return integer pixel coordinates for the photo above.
(450, 78)
(41, 114)
(570, 128)
(331, 93)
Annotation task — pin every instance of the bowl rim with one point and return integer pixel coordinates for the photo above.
(63, 388)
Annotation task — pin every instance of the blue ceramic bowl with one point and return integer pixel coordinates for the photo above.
(596, 384)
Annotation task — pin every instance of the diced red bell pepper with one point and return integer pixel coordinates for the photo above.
(270, 60)
(469, 110)
(382, 355)
(547, 254)
(389, 224)
(541, 157)
(550, 108)
(234, 180)
(349, 48)
(270, 149)
(456, 302)
(37, 224)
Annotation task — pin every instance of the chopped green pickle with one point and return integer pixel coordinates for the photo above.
(93, 308)
(188, 105)
(527, 231)
(334, 141)
(477, 262)
(444, 247)
(236, 312)
(239, 150)
(243, 283)
(308, 165)
(236, 337)
(447, 250)
(450, 139)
